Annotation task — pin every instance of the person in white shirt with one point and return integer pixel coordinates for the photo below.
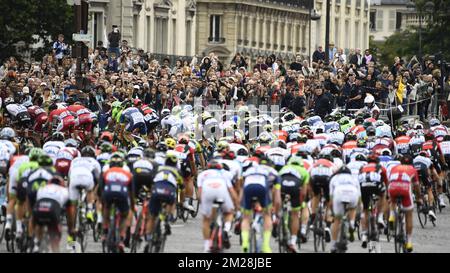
(214, 185)
(344, 189)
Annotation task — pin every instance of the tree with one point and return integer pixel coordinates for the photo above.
(26, 22)
(405, 44)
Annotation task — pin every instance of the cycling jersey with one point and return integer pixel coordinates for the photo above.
(39, 116)
(52, 148)
(278, 156)
(344, 187)
(257, 185)
(13, 172)
(37, 179)
(117, 186)
(214, 185)
(62, 118)
(402, 144)
(133, 119)
(185, 155)
(336, 137)
(400, 179)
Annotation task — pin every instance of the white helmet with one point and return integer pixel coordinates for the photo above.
(434, 122)
(379, 123)
(369, 99)
(165, 112)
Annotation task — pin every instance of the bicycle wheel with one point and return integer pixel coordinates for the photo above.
(136, 238)
(398, 235)
(195, 201)
(253, 241)
(2, 235)
(281, 235)
(423, 217)
(318, 233)
(82, 231)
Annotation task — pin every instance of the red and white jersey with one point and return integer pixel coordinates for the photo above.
(322, 139)
(403, 173)
(402, 144)
(444, 147)
(59, 114)
(323, 167)
(36, 111)
(78, 110)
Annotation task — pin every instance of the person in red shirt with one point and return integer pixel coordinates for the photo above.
(39, 116)
(83, 116)
(402, 179)
(117, 188)
(373, 180)
(62, 117)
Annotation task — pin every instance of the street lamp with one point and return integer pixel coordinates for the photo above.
(327, 34)
(313, 16)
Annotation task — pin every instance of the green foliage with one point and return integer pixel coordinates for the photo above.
(29, 21)
(405, 44)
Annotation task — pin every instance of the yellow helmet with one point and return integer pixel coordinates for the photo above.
(170, 142)
(171, 157)
(222, 146)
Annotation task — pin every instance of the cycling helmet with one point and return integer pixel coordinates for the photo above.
(379, 123)
(302, 138)
(137, 102)
(247, 165)
(57, 180)
(406, 160)
(434, 122)
(88, 151)
(264, 139)
(279, 144)
(183, 139)
(350, 136)
(361, 143)
(343, 169)
(344, 121)
(171, 143)
(302, 154)
(386, 152)
(165, 113)
(268, 128)
(7, 133)
(266, 161)
(71, 143)
(326, 156)
(424, 153)
(106, 136)
(57, 136)
(371, 131)
(295, 160)
(106, 147)
(336, 153)
(45, 160)
(373, 158)
(214, 165)
(171, 158)
(228, 155)
(143, 143)
(223, 146)
(35, 153)
(429, 135)
(293, 137)
(360, 157)
(418, 126)
(117, 160)
(161, 147)
(242, 152)
(401, 131)
(149, 153)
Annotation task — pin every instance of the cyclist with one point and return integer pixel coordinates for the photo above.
(53, 146)
(344, 187)
(278, 154)
(164, 191)
(294, 182)
(321, 172)
(188, 170)
(84, 173)
(401, 179)
(427, 173)
(51, 199)
(373, 181)
(215, 184)
(259, 181)
(132, 121)
(402, 141)
(117, 189)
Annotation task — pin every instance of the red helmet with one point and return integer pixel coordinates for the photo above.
(137, 102)
(183, 139)
(373, 158)
(106, 136)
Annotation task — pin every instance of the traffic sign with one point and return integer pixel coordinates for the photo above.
(82, 37)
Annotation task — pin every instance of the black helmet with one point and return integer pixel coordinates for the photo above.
(88, 151)
(161, 147)
(406, 160)
(57, 136)
(326, 156)
(149, 153)
(116, 160)
(45, 161)
(360, 157)
(344, 169)
(371, 131)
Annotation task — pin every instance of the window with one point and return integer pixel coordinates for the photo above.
(392, 15)
(161, 35)
(373, 25)
(135, 28)
(379, 22)
(336, 33)
(214, 28)
(398, 23)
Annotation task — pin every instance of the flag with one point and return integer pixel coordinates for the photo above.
(400, 90)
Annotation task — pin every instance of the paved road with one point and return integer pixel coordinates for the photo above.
(187, 238)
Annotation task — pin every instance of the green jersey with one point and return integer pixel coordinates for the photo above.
(297, 171)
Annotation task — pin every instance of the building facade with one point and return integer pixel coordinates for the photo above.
(156, 26)
(349, 24)
(280, 27)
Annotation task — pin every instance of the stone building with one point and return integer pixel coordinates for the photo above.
(157, 26)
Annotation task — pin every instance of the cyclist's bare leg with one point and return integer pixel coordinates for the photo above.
(295, 222)
(409, 224)
(335, 228)
(189, 187)
(71, 214)
(206, 228)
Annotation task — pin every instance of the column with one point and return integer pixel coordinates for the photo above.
(242, 28)
(286, 36)
(272, 33)
(257, 30)
(249, 30)
(264, 32)
(294, 38)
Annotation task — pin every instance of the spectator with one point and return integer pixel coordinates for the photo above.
(367, 58)
(260, 65)
(60, 49)
(114, 38)
(318, 55)
(356, 59)
(297, 64)
(322, 104)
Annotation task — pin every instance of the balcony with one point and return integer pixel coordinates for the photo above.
(216, 40)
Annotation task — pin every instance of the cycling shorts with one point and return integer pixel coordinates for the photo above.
(401, 190)
(162, 192)
(290, 185)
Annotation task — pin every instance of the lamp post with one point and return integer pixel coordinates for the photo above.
(327, 34)
(313, 16)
